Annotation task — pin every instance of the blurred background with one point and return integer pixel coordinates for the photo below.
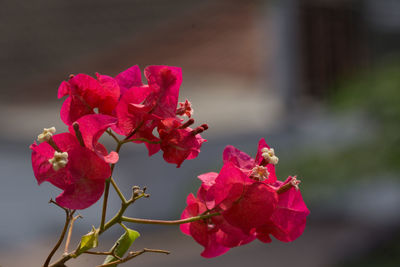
(319, 80)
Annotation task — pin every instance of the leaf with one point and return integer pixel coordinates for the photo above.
(123, 244)
(88, 241)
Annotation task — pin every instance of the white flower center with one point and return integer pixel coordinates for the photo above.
(259, 173)
(47, 134)
(269, 155)
(59, 160)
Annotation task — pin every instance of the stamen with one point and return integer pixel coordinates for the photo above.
(269, 155)
(187, 124)
(293, 183)
(204, 126)
(46, 135)
(78, 133)
(59, 160)
(198, 130)
(259, 173)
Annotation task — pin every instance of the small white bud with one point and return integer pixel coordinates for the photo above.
(46, 135)
(59, 160)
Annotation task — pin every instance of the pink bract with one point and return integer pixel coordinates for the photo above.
(92, 128)
(247, 209)
(85, 94)
(288, 220)
(82, 179)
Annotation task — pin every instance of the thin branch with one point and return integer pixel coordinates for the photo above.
(173, 222)
(140, 140)
(113, 135)
(105, 201)
(107, 253)
(68, 217)
(134, 254)
(121, 196)
(106, 192)
(71, 226)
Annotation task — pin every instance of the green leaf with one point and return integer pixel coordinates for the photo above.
(88, 241)
(123, 244)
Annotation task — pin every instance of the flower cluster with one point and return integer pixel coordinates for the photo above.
(245, 202)
(148, 113)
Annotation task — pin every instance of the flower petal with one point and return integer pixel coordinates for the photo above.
(129, 78)
(82, 194)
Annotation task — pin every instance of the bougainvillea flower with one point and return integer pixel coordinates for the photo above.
(91, 128)
(178, 142)
(244, 203)
(248, 165)
(83, 176)
(85, 93)
(245, 207)
(142, 108)
(288, 220)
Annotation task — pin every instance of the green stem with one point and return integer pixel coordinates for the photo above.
(173, 222)
(106, 191)
(140, 139)
(118, 218)
(121, 196)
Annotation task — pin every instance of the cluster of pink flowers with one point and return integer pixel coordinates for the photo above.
(249, 203)
(78, 164)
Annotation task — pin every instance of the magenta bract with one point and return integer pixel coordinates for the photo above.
(82, 179)
(247, 208)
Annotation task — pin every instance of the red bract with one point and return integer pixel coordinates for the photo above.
(85, 94)
(215, 234)
(179, 142)
(242, 205)
(91, 128)
(81, 177)
(288, 220)
(142, 108)
(247, 207)
(140, 104)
